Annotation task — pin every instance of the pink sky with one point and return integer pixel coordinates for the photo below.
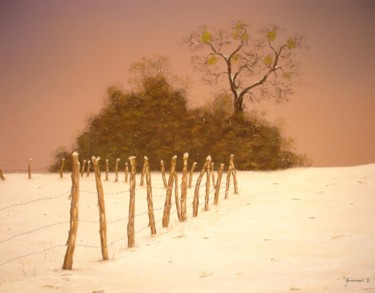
(58, 57)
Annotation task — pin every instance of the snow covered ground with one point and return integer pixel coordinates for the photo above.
(298, 230)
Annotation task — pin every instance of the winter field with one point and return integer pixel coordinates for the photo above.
(298, 230)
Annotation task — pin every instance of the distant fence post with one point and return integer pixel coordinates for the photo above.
(62, 168)
(116, 170)
(83, 168)
(88, 168)
(218, 183)
(196, 191)
(29, 168)
(184, 187)
(106, 169)
(126, 172)
(234, 173)
(102, 217)
(162, 169)
(68, 260)
(131, 233)
(150, 204)
(208, 183)
(191, 173)
(168, 199)
(2, 175)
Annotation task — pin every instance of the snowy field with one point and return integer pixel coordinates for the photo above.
(298, 230)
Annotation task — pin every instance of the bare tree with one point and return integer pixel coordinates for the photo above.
(257, 65)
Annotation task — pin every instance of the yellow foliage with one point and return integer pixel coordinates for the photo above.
(268, 60)
(271, 36)
(212, 60)
(206, 37)
(291, 43)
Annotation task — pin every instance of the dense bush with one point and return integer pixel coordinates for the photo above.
(156, 122)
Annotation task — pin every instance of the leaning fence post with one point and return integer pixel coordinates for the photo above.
(88, 168)
(191, 174)
(162, 167)
(184, 187)
(150, 204)
(102, 217)
(68, 260)
(62, 168)
(168, 199)
(2, 175)
(131, 233)
(218, 183)
(116, 170)
(83, 167)
(177, 200)
(29, 168)
(208, 183)
(106, 169)
(196, 191)
(213, 174)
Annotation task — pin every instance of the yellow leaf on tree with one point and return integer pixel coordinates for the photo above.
(212, 60)
(271, 36)
(206, 37)
(291, 43)
(268, 60)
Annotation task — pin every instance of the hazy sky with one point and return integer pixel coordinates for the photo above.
(58, 57)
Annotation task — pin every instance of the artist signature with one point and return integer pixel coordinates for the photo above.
(356, 280)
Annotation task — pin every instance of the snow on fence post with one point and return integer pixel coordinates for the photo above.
(29, 168)
(150, 204)
(2, 175)
(184, 187)
(83, 168)
(196, 191)
(218, 183)
(162, 167)
(126, 172)
(131, 233)
(88, 168)
(116, 170)
(106, 169)
(208, 183)
(62, 167)
(68, 260)
(102, 217)
(168, 199)
(191, 174)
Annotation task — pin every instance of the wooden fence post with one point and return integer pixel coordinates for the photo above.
(168, 199)
(162, 167)
(102, 217)
(88, 168)
(29, 168)
(142, 181)
(184, 187)
(83, 168)
(131, 233)
(150, 204)
(208, 183)
(191, 174)
(116, 170)
(106, 169)
(126, 172)
(213, 174)
(68, 260)
(2, 175)
(62, 168)
(218, 183)
(234, 173)
(177, 200)
(196, 191)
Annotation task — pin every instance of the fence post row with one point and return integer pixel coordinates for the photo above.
(131, 233)
(150, 204)
(168, 199)
(184, 187)
(102, 216)
(68, 260)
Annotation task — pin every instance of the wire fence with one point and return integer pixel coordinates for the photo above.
(119, 237)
